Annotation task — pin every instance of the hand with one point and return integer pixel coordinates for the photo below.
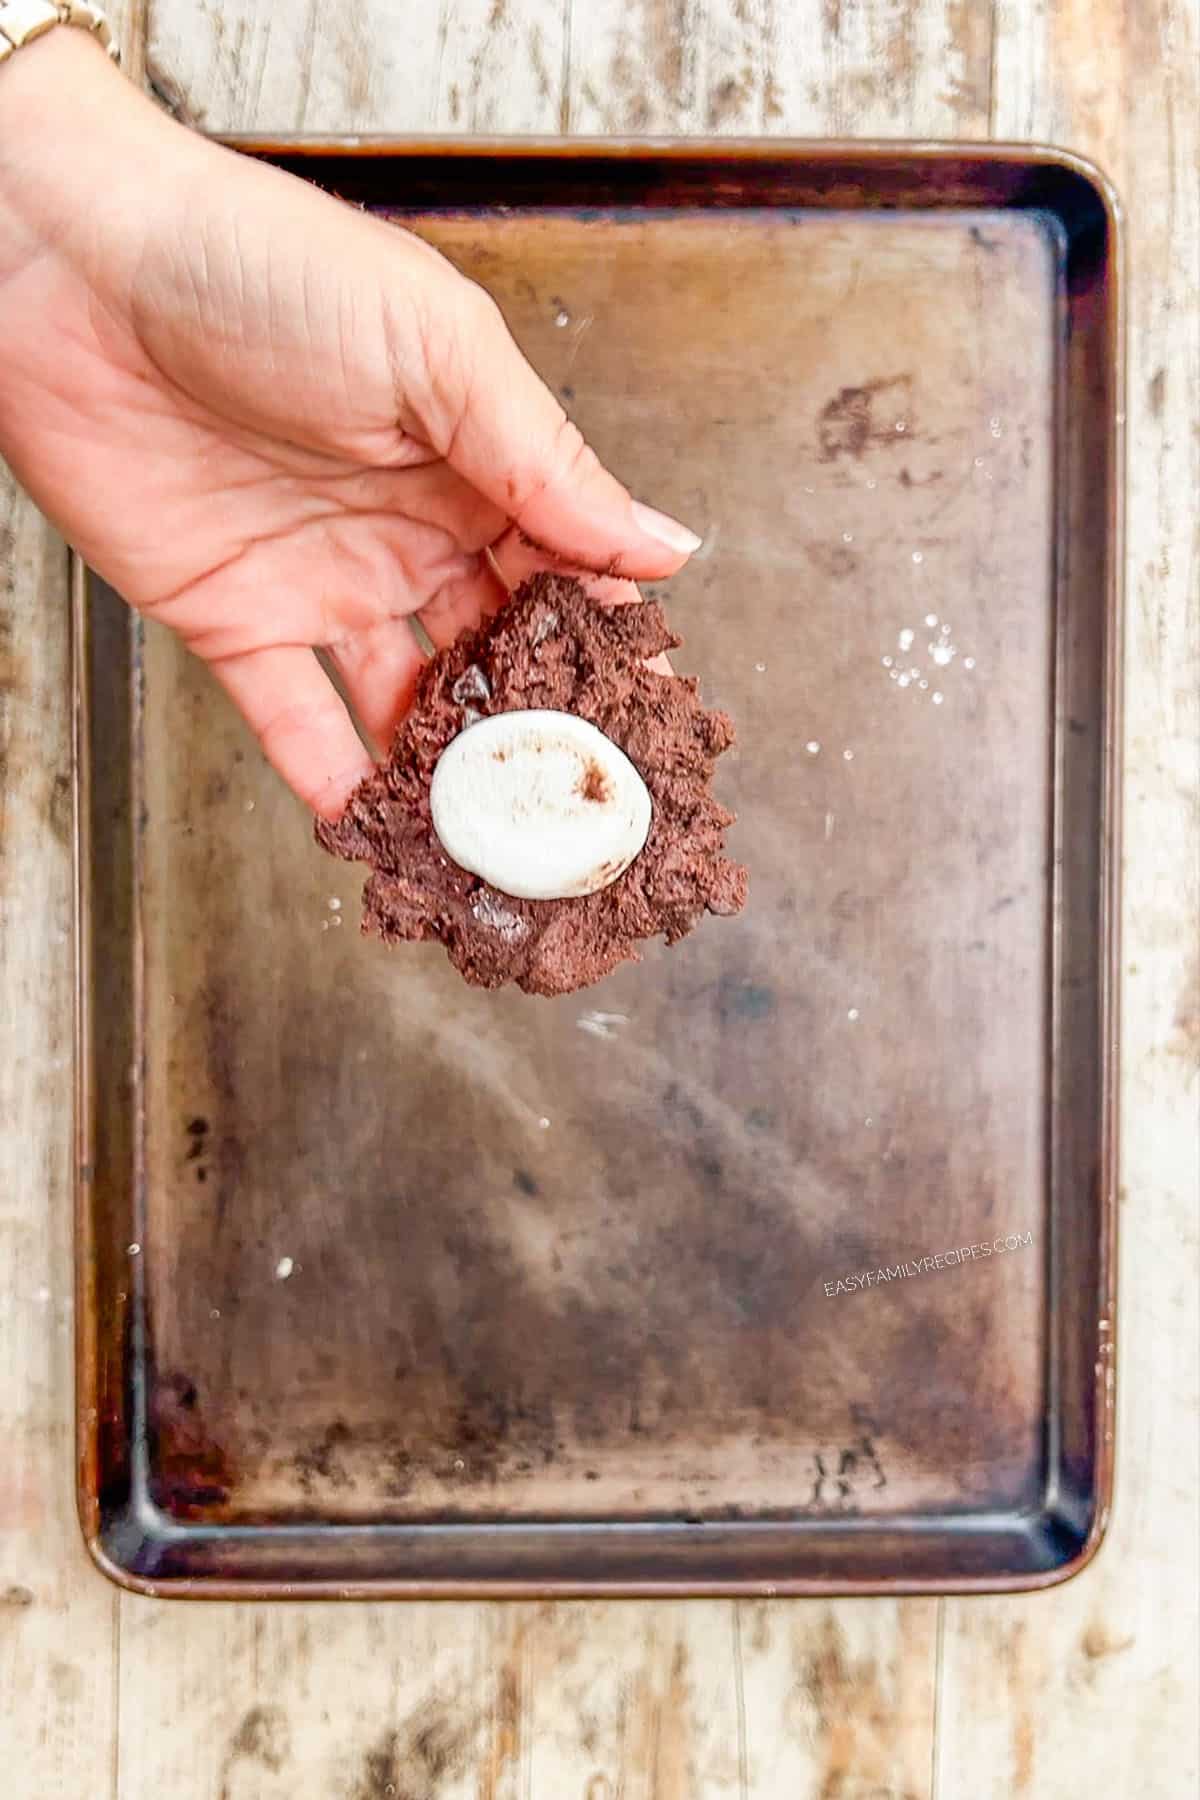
(269, 420)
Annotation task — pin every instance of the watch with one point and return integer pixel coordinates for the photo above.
(23, 20)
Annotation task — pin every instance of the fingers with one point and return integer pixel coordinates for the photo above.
(516, 559)
(461, 605)
(304, 729)
(501, 427)
(430, 493)
(380, 667)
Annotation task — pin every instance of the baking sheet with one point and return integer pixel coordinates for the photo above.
(782, 1262)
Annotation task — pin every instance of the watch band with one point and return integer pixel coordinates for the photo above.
(23, 20)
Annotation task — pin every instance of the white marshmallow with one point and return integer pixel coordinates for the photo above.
(540, 804)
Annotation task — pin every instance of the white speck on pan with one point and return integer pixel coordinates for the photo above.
(601, 1024)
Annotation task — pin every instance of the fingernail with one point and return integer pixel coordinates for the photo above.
(666, 530)
(333, 796)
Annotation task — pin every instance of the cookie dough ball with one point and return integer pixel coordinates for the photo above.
(588, 897)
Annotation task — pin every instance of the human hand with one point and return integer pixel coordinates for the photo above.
(271, 421)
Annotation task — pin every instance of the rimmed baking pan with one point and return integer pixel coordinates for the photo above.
(784, 1262)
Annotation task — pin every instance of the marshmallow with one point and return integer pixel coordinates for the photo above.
(542, 805)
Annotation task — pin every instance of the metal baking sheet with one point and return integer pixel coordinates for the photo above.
(783, 1262)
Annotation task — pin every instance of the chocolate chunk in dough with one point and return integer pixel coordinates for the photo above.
(550, 647)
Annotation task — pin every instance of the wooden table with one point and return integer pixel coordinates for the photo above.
(1089, 1688)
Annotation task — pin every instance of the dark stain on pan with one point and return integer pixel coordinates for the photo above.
(225, 1145)
(196, 1148)
(508, 1362)
(322, 1463)
(832, 559)
(192, 1475)
(858, 419)
(846, 1478)
(737, 999)
(397, 1474)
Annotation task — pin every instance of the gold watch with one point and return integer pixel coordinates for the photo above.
(23, 20)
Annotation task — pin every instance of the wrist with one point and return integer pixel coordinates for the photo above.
(72, 128)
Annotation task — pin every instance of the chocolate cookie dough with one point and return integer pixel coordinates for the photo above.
(549, 648)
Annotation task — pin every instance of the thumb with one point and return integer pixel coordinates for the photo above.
(509, 437)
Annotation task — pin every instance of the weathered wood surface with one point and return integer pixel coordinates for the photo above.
(58, 1628)
(1035, 1696)
(1088, 1688)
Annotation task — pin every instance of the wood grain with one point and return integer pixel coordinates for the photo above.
(1035, 1691)
(599, 1700)
(918, 68)
(459, 66)
(350, 1701)
(840, 1699)
(1086, 1688)
(57, 1621)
